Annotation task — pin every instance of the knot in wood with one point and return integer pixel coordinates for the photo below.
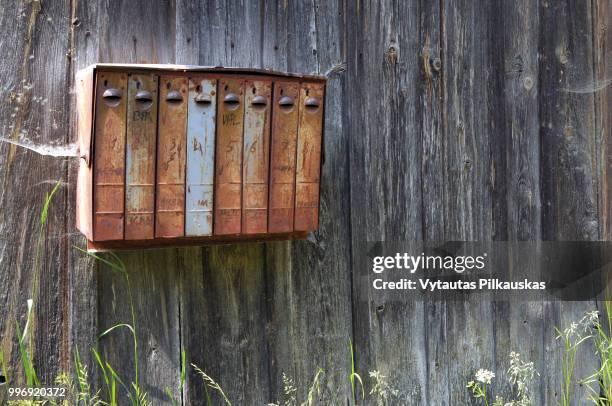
(392, 55)
(436, 64)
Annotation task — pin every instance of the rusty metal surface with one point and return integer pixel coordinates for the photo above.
(101, 246)
(308, 165)
(84, 106)
(140, 156)
(109, 157)
(202, 109)
(256, 151)
(207, 69)
(170, 186)
(204, 157)
(228, 168)
(282, 158)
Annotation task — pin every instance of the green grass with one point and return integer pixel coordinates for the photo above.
(212, 384)
(24, 343)
(354, 376)
(600, 383)
(137, 396)
(381, 392)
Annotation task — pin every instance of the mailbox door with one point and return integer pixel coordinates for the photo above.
(282, 168)
(307, 176)
(256, 151)
(202, 107)
(109, 156)
(172, 129)
(140, 156)
(228, 170)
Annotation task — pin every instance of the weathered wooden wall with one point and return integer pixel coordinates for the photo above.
(453, 120)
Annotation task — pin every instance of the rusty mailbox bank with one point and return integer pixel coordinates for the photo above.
(181, 155)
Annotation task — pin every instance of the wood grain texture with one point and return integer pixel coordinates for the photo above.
(133, 31)
(221, 33)
(432, 165)
(312, 278)
(35, 78)
(192, 293)
(468, 192)
(570, 185)
(516, 176)
(153, 292)
(82, 306)
(382, 109)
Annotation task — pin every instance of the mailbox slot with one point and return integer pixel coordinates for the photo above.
(174, 155)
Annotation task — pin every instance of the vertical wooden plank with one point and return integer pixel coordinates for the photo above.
(223, 287)
(285, 115)
(432, 165)
(383, 109)
(192, 290)
(171, 153)
(308, 283)
(570, 181)
(233, 307)
(228, 165)
(256, 152)
(140, 157)
(515, 158)
(200, 156)
(34, 73)
(308, 165)
(82, 272)
(515, 173)
(467, 189)
(134, 31)
(310, 280)
(602, 46)
(152, 291)
(109, 156)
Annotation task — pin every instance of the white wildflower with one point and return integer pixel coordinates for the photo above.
(484, 376)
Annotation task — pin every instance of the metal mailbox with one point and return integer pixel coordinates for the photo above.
(186, 155)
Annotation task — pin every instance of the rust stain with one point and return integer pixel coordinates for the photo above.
(171, 157)
(308, 169)
(140, 158)
(283, 158)
(256, 157)
(109, 159)
(228, 162)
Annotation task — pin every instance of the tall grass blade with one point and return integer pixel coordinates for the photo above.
(26, 360)
(210, 382)
(354, 375)
(314, 389)
(104, 373)
(116, 326)
(48, 199)
(183, 368)
(111, 264)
